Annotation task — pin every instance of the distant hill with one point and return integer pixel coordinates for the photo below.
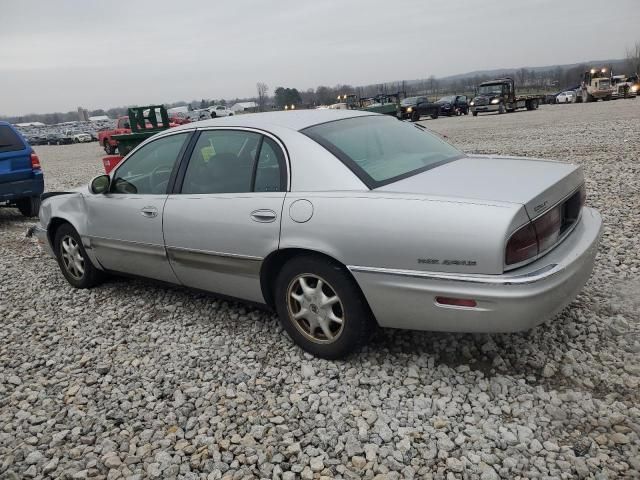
(615, 64)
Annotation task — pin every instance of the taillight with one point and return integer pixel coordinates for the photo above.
(35, 162)
(545, 231)
(547, 228)
(522, 245)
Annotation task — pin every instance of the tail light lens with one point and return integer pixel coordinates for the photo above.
(522, 245)
(547, 228)
(545, 231)
(35, 162)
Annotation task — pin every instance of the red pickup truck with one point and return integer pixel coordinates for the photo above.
(105, 137)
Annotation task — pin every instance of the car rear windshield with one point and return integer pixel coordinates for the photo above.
(9, 140)
(381, 149)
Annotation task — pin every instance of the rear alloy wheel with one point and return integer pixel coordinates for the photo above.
(321, 308)
(73, 260)
(29, 207)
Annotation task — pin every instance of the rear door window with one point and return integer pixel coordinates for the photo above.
(10, 141)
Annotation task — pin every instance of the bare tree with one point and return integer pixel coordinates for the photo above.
(263, 90)
(633, 58)
(522, 76)
(433, 84)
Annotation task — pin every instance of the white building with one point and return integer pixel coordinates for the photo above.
(244, 107)
(99, 118)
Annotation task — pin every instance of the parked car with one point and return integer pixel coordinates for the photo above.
(37, 140)
(453, 105)
(197, 115)
(414, 108)
(59, 139)
(220, 111)
(339, 220)
(566, 97)
(21, 179)
(79, 137)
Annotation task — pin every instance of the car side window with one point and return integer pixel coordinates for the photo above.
(147, 170)
(222, 162)
(268, 174)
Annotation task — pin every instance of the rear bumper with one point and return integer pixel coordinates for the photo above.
(514, 301)
(31, 187)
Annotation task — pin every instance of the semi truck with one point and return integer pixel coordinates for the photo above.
(596, 85)
(499, 95)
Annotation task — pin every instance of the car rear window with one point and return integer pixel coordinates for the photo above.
(380, 149)
(9, 140)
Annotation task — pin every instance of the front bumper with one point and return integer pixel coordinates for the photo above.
(514, 301)
(43, 239)
(485, 108)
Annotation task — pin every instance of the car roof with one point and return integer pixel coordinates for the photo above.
(294, 120)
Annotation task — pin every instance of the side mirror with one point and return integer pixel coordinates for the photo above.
(100, 184)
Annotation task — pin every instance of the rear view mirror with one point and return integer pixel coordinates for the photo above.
(100, 184)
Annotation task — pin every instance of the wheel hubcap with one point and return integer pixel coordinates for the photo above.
(315, 308)
(72, 257)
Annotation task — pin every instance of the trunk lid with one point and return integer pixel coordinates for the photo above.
(536, 184)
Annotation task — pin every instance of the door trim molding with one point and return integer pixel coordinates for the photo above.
(226, 263)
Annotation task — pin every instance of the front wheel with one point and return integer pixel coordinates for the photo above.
(475, 114)
(73, 260)
(321, 307)
(501, 108)
(415, 116)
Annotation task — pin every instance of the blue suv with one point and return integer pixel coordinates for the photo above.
(21, 179)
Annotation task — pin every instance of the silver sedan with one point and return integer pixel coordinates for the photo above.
(340, 221)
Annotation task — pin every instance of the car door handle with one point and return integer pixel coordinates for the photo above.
(263, 216)
(149, 212)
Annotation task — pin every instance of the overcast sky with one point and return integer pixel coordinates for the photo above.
(58, 54)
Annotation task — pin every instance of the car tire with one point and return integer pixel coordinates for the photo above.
(312, 331)
(213, 114)
(435, 115)
(415, 116)
(29, 207)
(73, 260)
(475, 114)
(501, 109)
(110, 149)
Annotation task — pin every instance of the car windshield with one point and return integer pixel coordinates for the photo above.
(380, 149)
(409, 101)
(490, 89)
(447, 99)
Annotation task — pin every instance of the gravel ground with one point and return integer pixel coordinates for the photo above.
(133, 380)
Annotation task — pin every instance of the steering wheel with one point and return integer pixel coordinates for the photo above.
(159, 185)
